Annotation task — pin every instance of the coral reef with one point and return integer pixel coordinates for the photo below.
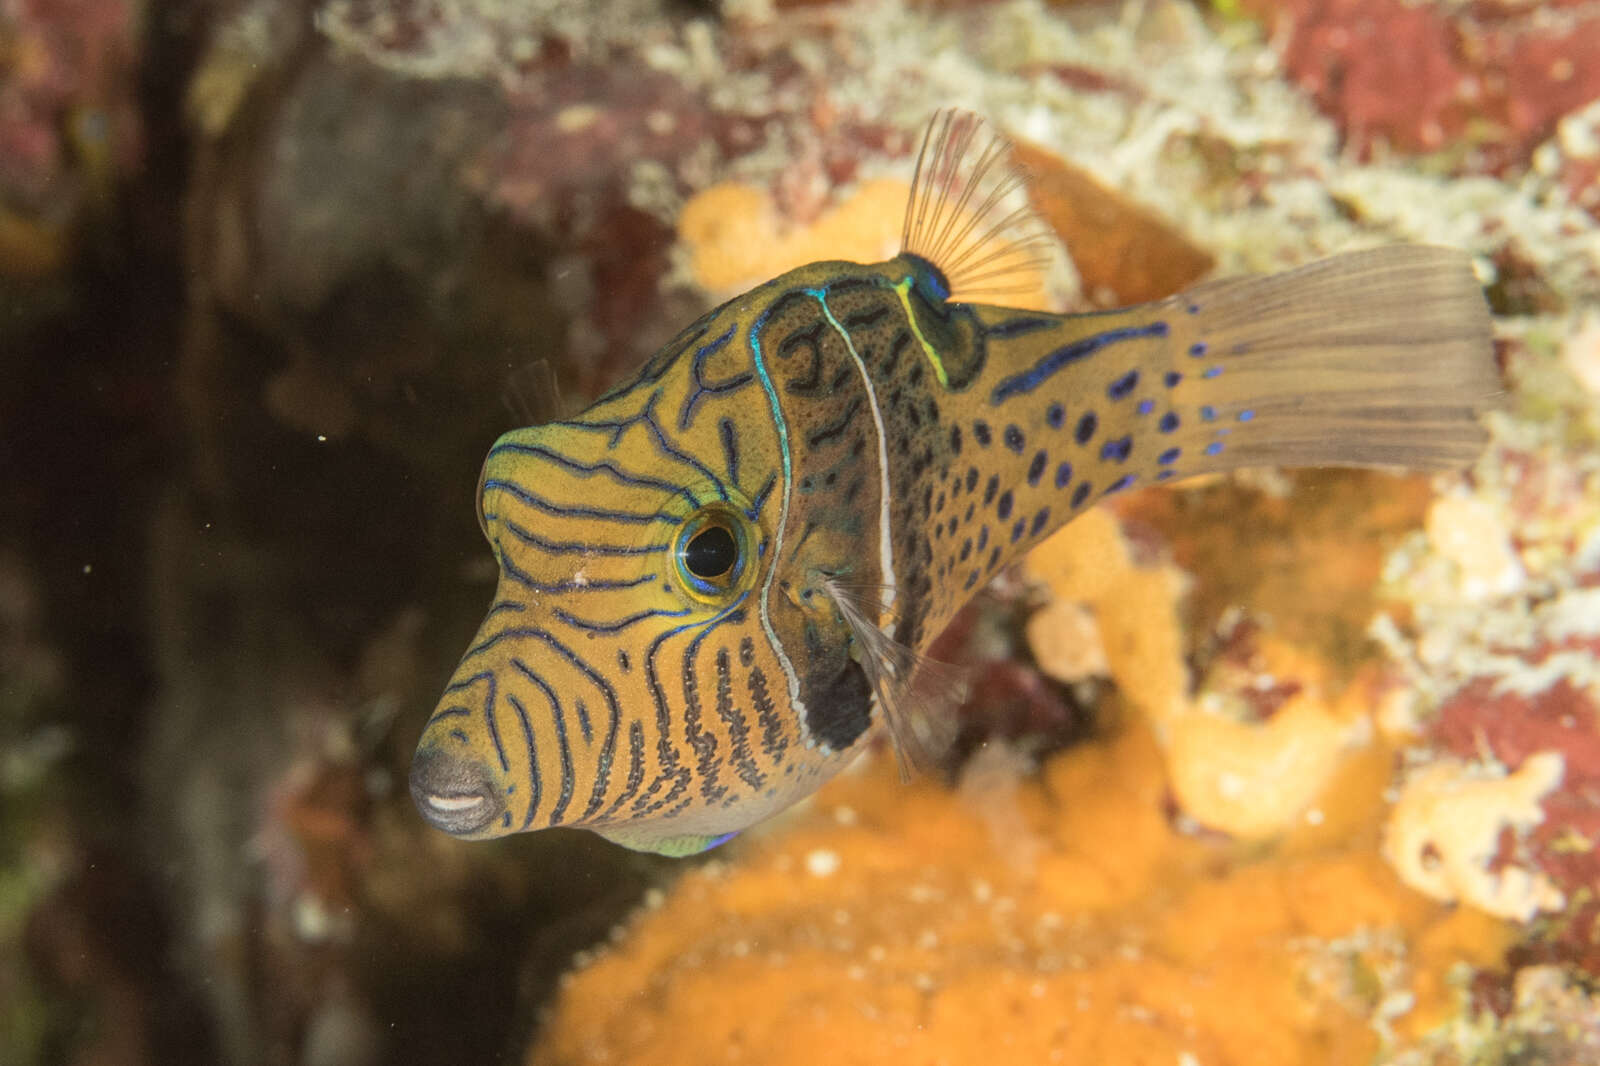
(1062, 918)
(69, 126)
(1447, 825)
(1118, 903)
(1282, 795)
(1499, 639)
(1124, 254)
(265, 271)
(1487, 83)
(735, 240)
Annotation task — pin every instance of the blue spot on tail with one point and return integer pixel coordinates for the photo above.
(1116, 450)
(1036, 468)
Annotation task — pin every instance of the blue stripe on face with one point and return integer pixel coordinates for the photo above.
(533, 499)
(572, 547)
(585, 469)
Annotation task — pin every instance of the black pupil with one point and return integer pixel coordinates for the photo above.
(710, 552)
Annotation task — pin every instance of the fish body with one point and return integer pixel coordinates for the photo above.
(717, 582)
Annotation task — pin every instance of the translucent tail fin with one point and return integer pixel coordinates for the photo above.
(1373, 358)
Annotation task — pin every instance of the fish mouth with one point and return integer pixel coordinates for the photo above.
(453, 794)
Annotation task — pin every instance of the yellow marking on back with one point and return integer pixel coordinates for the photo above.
(902, 289)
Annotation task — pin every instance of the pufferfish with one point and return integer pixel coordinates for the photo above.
(718, 582)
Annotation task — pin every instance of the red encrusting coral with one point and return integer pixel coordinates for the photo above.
(1510, 727)
(65, 89)
(69, 124)
(1428, 77)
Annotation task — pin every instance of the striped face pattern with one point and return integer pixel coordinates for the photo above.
(717, 582)
(662, 663)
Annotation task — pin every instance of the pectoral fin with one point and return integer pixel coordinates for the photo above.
(917, 696)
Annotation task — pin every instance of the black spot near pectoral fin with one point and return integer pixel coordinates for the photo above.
(838, 703)
(917, 696)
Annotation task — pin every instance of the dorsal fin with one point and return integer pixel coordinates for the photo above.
(532, 393)
(969, 214)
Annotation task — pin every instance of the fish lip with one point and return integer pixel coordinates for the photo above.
(452, 794)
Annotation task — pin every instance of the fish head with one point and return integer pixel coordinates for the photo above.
(645, 666)
(568, 706)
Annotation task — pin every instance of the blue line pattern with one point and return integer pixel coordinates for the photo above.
(1040, 372)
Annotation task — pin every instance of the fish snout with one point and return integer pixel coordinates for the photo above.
(453, 793)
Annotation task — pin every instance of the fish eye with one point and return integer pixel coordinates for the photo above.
(712, 551)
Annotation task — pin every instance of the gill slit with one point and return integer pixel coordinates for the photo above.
(791, 679)
(885, 542)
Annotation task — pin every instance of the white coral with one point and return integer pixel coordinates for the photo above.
(1445, 829)
(1473, 534)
